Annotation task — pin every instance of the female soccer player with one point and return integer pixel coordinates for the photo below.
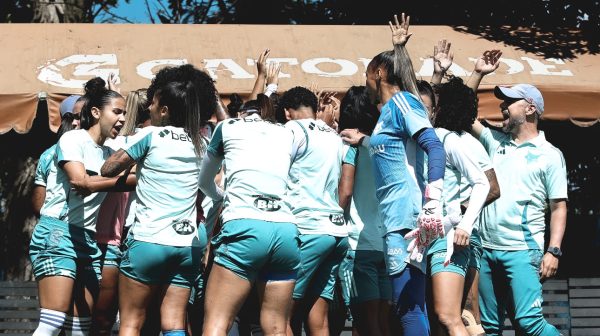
(164, 254)
(455, 111)
(63, 249)
(366, 286)
(258, 243)
(401, 138)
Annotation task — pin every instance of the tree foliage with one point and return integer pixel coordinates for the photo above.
(54, 11)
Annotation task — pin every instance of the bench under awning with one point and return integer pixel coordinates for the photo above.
(52, 60)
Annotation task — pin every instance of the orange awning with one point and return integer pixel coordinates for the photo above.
(58, 58)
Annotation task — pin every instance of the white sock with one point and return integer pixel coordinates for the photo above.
(51, 323)
(78, 326)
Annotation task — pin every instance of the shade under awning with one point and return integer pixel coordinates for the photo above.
(58, 58)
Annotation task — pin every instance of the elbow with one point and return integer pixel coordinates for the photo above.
(108, 169)
(494, 193)
(104, 171)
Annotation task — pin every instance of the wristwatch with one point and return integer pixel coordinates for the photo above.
(555, 251)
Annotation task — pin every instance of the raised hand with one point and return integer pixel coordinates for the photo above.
(488, 62)
(314, 88)
(261, 63)
(400, 34)
(273, 70)
(326, 115)
(112, 82)
(442, 57)
(323, 98)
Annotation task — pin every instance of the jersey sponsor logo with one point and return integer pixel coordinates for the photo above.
(181, 137)
(267, 203)
(376, 149)
(183, 227)
(337, 219)
(175, 136)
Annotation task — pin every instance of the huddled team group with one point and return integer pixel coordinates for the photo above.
(395, 197)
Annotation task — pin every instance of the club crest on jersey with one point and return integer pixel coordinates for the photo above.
(337, 219)
(267, 203)
(55, 237)
(183, 227)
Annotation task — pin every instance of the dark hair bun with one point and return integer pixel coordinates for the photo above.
(95, 86)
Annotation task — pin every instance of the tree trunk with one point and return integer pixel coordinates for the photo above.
(16, 217)
(62, 11)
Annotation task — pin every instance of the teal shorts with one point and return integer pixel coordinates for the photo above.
(256, 249)
(320, 258)
(459, 262)
(397, 256)
(156, 264)
(476, 250)
(60, 249)
(111, 255)
(364, 277)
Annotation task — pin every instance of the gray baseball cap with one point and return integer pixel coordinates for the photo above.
(522, 91)
(66, 106)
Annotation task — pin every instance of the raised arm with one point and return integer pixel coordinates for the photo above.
(403, 69)
(261, 67)
(485, 64)
(112, 82)
(273, 71)
(221, 112)
(442, 60)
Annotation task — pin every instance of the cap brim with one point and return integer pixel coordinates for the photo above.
(503, 93)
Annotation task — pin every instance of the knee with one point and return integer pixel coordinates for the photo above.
(217, 326)
(275, 330)
(102, 322)
(450, 321)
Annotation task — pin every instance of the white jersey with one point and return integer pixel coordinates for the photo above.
(365, 228)
(314, 177)
(257, 160)
(478, 153)
(461, 165)
(167, 186)
(61, 201)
